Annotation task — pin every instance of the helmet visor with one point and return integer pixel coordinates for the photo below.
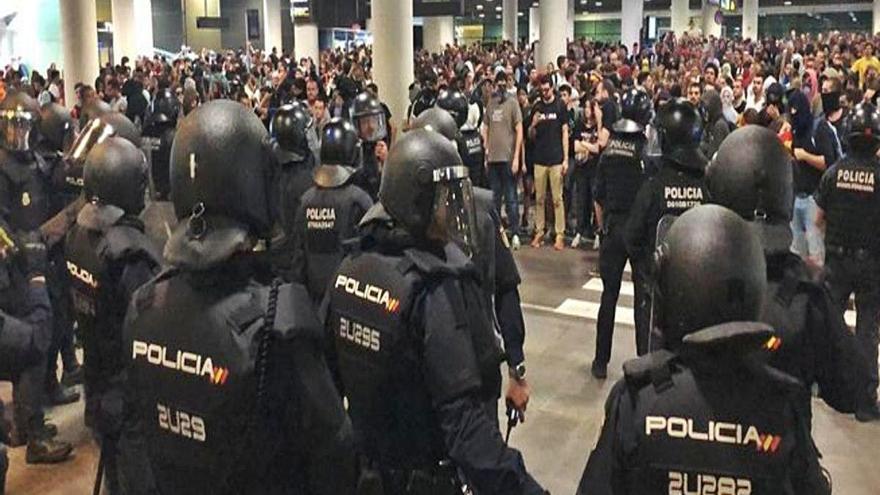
(371, 127)
(454, 214)
(93, 133)
(15, 129)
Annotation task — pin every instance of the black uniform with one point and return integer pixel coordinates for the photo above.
(751, 174)
(106, 267)
(24, 190)
(473, 154)
(706, 414)
(851, 203)
(327, 217)
(368, 177)
(157, 139)
(672, 191)
(702, 421)
(619, 177)
(295, 178)
(415, 349)
(227, 389)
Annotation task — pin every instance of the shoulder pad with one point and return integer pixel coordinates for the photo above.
(652, 367)
(456, 261)
(123, 241)
(145, 295)
(294, 313)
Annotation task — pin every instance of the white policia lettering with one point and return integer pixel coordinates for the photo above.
(82, 275)
(187, 362)
(856, 180)
(360, 334)
(679, 192)
(181, 423)
(320, 218)
(370, 293)
(716, 431)
(707, 484)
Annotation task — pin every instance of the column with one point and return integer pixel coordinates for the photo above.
(680, 16)
(569, 22)
(124, 30)
(876, 16)
(272, 25)
(632, 14)
(143, 12)
(710, 27)
(79, 32)
(534, 24)
(553, 32)
(305, 40)
(438, 32)
(750, 19)
(393, 54)
(509, 21)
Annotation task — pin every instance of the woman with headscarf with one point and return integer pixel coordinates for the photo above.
(727, 108)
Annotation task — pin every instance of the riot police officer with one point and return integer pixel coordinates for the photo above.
(58, 131)
(290, 129)
(368, 117)
(500, 277)
(108, 257)
(752, 175)
(227, 386)
(849, 207)
(158, 135)
(413, 342)
(330, 210)
(619, 176)
(701, 412)
(678, 186)
(470, 141)
(25, 187)
(25, 334)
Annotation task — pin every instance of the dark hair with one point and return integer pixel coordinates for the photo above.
(566, 88)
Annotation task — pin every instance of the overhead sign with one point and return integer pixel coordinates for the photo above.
(429, 8)
(301, 10)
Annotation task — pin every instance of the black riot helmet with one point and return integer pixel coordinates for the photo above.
(863, 133)
(290, 127)
(57, 127)
(340, 153)
(96, 130)
(437, 120)
(19, 116)
(221, 174)
(426, 190)
(456, 103)
(752, 175)
(710, 270)
(680, 129)
(635, 112)
(368, 117)
(114, 182)
(166, 107)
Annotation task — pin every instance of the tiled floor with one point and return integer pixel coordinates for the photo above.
(567, 404)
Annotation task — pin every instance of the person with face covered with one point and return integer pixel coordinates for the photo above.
(716, 127)
(814, 151)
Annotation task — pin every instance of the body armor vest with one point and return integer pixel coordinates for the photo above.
(194, 348)
(94, 261)
(30, 191)
(157, 140)
(697, 427)
(473, 154)
(853, 206)
(620, 167)
(675, 192)
(376, 323)
(331, 217)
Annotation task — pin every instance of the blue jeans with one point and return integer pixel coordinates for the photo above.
(503, 185)
(807, 240)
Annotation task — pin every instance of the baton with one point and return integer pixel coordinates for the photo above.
(512, 421)
(99, 477)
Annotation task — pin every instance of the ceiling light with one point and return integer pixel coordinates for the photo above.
(479, 7)
(481, 15)
(498, 8)
(787, 2)
(598, 4)
(520, 14)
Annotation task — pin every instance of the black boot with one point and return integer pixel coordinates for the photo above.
(47, 451)
(868, 413)
(19, 436)
(72, 377)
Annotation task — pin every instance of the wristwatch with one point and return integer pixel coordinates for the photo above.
(517, 372)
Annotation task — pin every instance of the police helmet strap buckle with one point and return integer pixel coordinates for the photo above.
(449, 174)
(760, 215)
(196, 225)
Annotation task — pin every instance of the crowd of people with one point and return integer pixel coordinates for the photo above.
(301, 157)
